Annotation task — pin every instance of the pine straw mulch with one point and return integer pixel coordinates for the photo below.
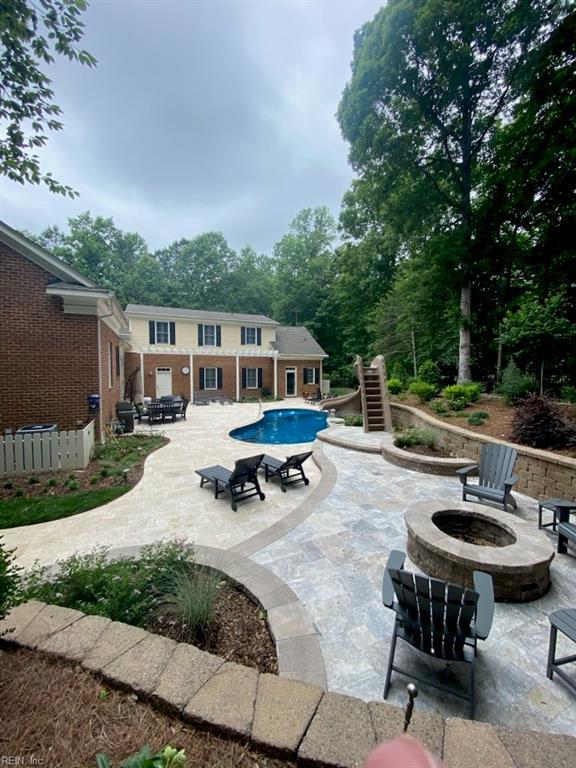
(238, 632)
(61, 715)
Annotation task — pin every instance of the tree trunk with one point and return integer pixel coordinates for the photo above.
(464, 374)
(542, 377)
(413, 339)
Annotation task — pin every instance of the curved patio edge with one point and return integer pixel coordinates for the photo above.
(276, 531)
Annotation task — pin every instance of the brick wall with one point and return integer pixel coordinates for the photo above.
(303, 390)
(542, 474)
(49, 361)
(267, 365)
(109, 388)
(180, 381)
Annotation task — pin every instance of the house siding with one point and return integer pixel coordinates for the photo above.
(49, 359)
(187, 334)
(302, 390)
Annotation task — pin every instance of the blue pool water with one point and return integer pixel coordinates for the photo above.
(286, 425)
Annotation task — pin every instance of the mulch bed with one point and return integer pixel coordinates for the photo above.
(425, 450)
(61, 715)
(238, 632)
(499, 423)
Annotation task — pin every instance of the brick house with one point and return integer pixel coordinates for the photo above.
(183, 351)
(62, 340)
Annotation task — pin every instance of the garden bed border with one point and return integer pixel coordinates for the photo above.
(284, 717)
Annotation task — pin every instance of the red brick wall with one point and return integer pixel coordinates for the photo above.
(228, 365)
(180, 381)
(267, 365)
(303, 390)
(109, 389)
(48, 361)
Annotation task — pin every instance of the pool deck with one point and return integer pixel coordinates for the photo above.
(329, 543)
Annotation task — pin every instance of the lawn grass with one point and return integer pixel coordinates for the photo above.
(41, 509)
(339, 391)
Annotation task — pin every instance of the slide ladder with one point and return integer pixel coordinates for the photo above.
(374, 394)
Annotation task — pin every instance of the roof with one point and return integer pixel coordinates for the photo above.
(198, 314)
(295, 340)
(41, 257)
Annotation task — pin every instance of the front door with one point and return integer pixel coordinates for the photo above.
(163, 381)
(290, 382)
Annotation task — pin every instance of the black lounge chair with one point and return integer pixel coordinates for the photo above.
(242, 482)
(201, 398)
(315, 398)
(289, 471)
(495, 478)
(442, 620)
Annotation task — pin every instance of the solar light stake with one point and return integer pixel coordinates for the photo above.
(412, 693)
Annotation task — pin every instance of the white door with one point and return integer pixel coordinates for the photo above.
(290, 382)
(163, 381)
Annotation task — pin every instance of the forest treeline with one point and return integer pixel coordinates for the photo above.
(455, 242)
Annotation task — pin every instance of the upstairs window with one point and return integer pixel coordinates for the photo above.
(209, 335)
(251, 335)
(162, 332)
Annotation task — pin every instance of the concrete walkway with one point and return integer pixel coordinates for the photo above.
(168, 502)
(334, 562)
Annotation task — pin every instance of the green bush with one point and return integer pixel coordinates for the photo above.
(72, 484)
(477, 418)
(440, 407)
(568, 393)
(51, 482)
(9, 580)
(473, 391)
(395, 386)
(455, 392)
(457, 404)
(8, 485)
(515, 385)
(168, 758)
(429, 372)
(415, 436)
(423, 391)
(32, 479)
(123, 590)
(189, 597)
(353, 420)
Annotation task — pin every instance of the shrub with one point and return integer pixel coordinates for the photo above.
(415, 436)
(457, 404)
(168, 758)
(123, 590)
(72, 484)
(189, 597)
(18, 492)
(515, 385)
(266, 392)
(473, 391)
(477, 418)
(8, 485)
(9, 580)
(440, 407)
(51, 482)
(422, 390)
(395, 386)
(32, 479)
(455, 392)
(538, 422)
(568, 393)
(429, 372)
(353, 420)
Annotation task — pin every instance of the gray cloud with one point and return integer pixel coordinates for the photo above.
(200, 115)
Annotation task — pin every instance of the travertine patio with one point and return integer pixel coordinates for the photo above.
(332, 554)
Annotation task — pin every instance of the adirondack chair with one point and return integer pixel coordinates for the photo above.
(242, 481)
(442, 620)
(495, 478)
(289, 471)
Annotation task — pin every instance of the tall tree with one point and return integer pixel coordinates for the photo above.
(430, 80)
(30, 34)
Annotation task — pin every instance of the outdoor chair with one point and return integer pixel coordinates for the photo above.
(223, 399)
(289, 471)
(242, 482)
(495, 478)
(441, 620)
(315, 398)
(201, 398)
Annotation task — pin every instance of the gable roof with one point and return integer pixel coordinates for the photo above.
(198, 314)
(41, 257)
(297, 341)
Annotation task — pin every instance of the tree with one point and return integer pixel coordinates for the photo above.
(430, 81)
(30, 34)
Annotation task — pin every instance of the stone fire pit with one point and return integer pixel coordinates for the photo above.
(450, 540)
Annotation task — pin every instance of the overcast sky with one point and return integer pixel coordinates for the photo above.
(214, 115)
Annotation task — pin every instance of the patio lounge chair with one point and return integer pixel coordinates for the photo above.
(495, 478)
(289, 471)
(442, 620)
(315, 398)
(242, 482)
(201, 398)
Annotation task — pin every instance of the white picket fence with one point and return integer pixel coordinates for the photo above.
(46, 452)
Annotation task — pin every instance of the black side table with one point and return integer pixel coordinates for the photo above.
(561, 621)
(560, 509)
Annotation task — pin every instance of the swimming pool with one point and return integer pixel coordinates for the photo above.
(283, 425)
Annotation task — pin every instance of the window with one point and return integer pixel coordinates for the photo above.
(250, 336)
(310, 376)
(210, 377)
(162, 332)
(109, 364)
(251, 378)
(117, 362)
(210, 337)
